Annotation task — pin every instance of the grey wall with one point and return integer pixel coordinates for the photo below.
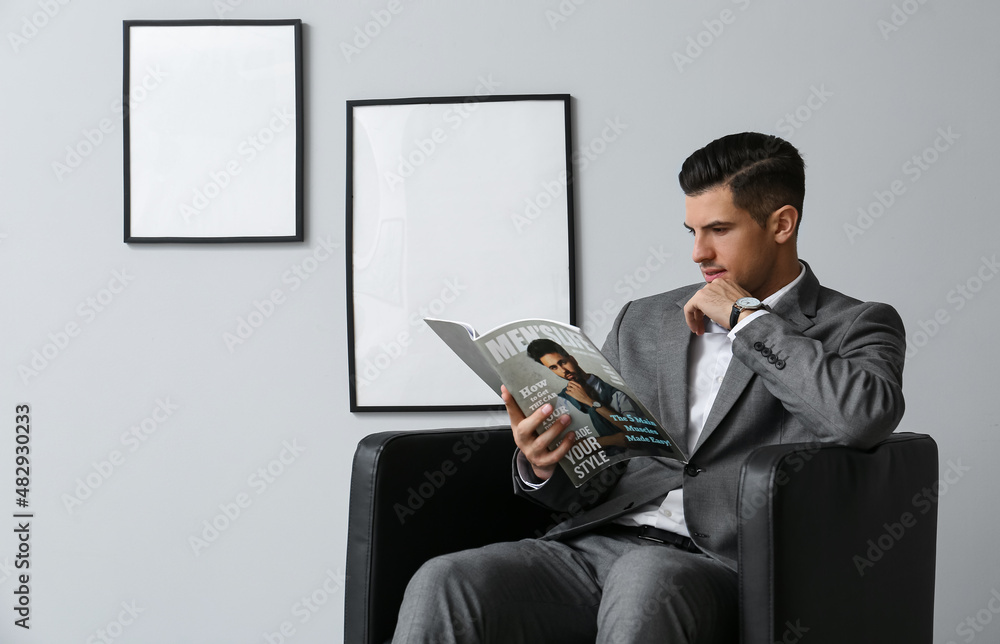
(860, 100)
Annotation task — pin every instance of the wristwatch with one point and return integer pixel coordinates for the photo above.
(744, 304)
(597, 404)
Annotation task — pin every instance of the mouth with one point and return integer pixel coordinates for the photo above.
(712, 274)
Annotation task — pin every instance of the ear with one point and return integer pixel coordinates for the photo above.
(783, 222)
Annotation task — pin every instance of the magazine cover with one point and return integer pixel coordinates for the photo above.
(542, 361)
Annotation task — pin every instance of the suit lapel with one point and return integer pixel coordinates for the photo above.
(738, 376)
(672, 372)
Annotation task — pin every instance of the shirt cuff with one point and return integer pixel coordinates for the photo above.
(525, 472)
(753, 316)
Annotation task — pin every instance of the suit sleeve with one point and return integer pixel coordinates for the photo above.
(848, 391)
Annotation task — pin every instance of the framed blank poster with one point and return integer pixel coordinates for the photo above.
(213, 130)
(458, 208)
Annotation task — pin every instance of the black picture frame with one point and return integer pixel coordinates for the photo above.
(213, 131)
(437, 188)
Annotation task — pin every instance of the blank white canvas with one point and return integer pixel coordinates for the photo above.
(460, 212)
(212, 144)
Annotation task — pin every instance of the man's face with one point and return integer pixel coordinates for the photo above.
(729, 244)
(565, 367)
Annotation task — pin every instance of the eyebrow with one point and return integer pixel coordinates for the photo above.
(712, 224)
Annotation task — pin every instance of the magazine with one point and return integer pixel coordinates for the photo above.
(542, 361)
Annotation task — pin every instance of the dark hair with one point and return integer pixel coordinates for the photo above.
(762, 171)
(543, 347)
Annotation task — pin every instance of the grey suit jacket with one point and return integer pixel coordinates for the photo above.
(822, 367)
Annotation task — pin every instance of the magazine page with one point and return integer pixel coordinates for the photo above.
(459, 337)
(542, 361)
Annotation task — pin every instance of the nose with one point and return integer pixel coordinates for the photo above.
(702, 250)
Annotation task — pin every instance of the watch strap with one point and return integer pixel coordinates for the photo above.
(734, 317)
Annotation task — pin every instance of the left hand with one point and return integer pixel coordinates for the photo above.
(714, 301)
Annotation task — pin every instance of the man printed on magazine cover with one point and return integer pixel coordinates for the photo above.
(757, 353)
(602, 402)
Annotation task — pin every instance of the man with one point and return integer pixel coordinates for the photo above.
(587, 393)
(767, 356)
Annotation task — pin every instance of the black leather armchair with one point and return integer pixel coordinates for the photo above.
(836, 545)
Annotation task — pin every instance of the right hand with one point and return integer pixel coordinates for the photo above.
(535, 447)
(580, 393)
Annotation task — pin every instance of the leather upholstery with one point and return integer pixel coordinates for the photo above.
(811, 517)
(400, 516)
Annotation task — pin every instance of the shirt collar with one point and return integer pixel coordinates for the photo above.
(773, 298)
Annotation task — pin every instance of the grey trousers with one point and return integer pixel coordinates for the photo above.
(604, 587)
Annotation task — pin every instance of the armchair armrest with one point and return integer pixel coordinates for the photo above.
(839, 543)
(418, 494)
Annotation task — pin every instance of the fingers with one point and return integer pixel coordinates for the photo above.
(580, 393)
(523, 427)
(714, 301)
(513, 411)
(525, 430)
(535, 447)
(576, 390)
(544, 461)
(694, 317)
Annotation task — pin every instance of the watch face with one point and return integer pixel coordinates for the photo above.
(748, 302)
